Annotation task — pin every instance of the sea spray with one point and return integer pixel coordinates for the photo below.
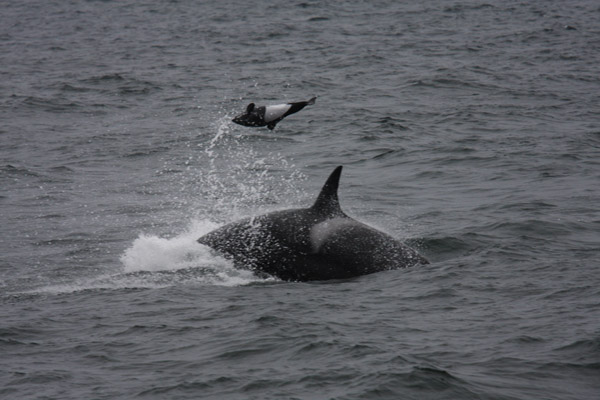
(153, 253)
(181, 260)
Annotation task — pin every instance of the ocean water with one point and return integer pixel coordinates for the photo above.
(469, 129)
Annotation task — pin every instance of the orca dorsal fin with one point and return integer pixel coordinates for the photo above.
(250, 108)
(327, 202)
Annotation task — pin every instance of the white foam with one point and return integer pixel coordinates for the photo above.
(198, 263)
(153, 253)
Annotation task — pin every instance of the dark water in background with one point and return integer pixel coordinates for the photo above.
(470, 129)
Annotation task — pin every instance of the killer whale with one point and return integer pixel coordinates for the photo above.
(269, 116)
(320, 242)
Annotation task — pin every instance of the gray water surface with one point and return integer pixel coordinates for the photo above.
(469, 129)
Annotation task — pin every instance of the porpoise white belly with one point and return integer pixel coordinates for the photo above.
(276, 111)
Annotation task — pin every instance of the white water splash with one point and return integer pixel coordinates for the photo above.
(153, 253)
(191, 260)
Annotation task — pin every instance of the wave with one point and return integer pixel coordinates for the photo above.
(17, 171)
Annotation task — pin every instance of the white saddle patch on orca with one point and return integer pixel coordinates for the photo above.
(323, 231)
(277, 111)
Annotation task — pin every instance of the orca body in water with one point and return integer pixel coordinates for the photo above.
(269, 116)
(316, 243)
